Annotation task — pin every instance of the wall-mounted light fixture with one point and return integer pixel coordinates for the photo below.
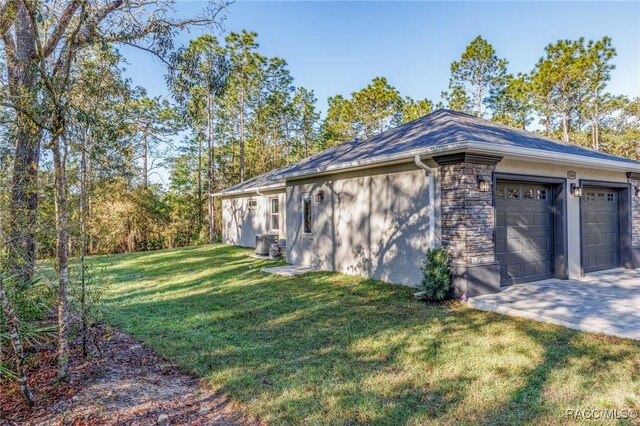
(483, 184)
(637, 188)
(319, 196)
(576, 190)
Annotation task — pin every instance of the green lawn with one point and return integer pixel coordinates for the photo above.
(333, 349)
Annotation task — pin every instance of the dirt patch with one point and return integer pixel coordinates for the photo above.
(128, 384)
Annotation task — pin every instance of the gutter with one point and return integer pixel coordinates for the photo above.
(249, 190)
(528, 154)
(378, 161)
(541, 156)
(432, 200)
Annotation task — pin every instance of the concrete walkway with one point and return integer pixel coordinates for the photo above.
(603, 302)
(288, 270)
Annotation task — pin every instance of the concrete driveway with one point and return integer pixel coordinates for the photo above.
(603, 302)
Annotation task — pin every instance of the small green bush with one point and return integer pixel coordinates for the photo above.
(436, 274)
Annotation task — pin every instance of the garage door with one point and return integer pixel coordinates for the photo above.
(524, 232)
(600, 229)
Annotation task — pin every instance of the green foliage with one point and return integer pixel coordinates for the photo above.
(513, 104)
(478, 74)
(370, 111)
(412, 109)
(436, 274)
(32, 303)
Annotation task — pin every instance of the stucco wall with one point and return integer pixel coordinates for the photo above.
(240, 224)
(373, 223)
(573, 203)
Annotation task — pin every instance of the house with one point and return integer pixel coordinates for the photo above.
(511, 206)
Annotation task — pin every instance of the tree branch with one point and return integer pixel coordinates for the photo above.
(61, 28)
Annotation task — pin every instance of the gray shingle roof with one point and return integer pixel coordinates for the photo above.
(263, 181)
(439, 131)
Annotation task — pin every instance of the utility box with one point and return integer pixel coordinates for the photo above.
(263, 243)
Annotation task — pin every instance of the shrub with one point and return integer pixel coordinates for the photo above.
(436, 274)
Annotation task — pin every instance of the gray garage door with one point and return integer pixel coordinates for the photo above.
(600, 229)
(524, 232)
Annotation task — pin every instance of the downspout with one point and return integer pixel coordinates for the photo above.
(432, 201)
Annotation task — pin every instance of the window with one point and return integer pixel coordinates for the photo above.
(275, 214)
(527, 194)
(610, 197)
(513, 193)
(542, 194)
(500, 192)
(306, 213)
(252, 204)
(601, 197)
(591, 196)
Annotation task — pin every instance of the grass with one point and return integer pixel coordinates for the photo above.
(332, 349)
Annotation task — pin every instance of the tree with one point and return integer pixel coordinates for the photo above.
(278, 88)
(338, 125)
(621, 131)
(198, 78)
(560, 76)
(478, 74)
(245, 69)
(412, 109)
(371, 110)
(457, 99)
(42, 55)
(377, 108)
(513, 104)
(305, 119)
(598, 68)
(151, 122)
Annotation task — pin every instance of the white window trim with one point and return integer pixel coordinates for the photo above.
(271, 214)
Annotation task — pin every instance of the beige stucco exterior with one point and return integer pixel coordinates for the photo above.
(241, 224)
(372, 223)
(573, 203)
(375, 222)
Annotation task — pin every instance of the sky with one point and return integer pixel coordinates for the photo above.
(337, 47)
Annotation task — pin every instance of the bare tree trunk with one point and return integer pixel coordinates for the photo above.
(22, 79)
(83, 242)
(199, 178)
(62, 220)
(145, 162)
(16, 344)
(596, 124)
(565, 122)
(242, 135)
(210, 169)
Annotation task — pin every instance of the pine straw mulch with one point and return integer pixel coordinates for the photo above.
(121, 382)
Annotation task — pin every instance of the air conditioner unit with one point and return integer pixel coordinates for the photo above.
(263, 243)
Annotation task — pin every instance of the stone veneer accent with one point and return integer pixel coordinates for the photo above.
(467, 215)
(634, 180)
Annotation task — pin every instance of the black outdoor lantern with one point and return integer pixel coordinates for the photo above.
(576, 190)
(483, 184)
(637, 188)
(319, 196)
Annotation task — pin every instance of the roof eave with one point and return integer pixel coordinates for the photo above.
(373, 162)
(280, 185)
(537, 155)
(529, 154)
